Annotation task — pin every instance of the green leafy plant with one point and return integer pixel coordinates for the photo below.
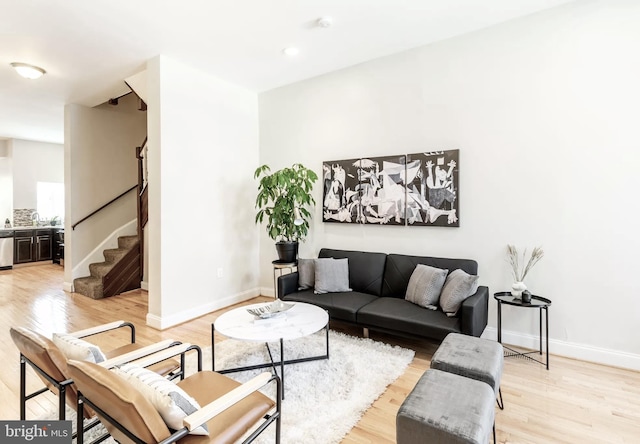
(283, 198)
(54, 221)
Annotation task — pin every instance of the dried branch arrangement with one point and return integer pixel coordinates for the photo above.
(514, 260)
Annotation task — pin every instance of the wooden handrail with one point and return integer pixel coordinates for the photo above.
(73, 227)
(140, 148)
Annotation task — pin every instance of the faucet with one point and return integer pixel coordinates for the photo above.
(35, 218)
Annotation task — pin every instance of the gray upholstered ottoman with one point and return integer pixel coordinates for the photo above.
(475, 358)
(446, 408)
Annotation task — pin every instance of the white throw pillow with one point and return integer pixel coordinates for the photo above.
(332, 275)
(458, 287)
(425, 285)
(78, 349)
(171, 402)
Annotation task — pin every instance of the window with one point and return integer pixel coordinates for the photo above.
(50, 200)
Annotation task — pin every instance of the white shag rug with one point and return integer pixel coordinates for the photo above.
(323, 399)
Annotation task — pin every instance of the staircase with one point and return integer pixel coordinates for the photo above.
(119, 272)
(122, 268)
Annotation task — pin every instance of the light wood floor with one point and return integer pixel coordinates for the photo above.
(573, 402)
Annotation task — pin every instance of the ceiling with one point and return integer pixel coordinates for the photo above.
(89, 47)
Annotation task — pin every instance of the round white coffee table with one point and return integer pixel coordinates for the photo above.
(301, 320)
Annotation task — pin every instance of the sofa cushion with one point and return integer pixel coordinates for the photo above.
(458, 287)
(306, 273)
(399, 267)
(341, 306)
(365, 269)
(425, 286)
(331, 275)
(403, 316)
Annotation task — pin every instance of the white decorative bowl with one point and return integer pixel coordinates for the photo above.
(270, 310)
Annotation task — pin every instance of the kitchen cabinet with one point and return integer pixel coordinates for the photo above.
(23, 250)
(32, 246)
(57, 252)
(44, 243)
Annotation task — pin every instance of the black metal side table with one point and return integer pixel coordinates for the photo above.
(542, 304)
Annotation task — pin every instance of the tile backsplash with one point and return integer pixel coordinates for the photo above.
(22, 217)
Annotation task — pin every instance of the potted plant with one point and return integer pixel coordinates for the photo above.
(54, 221)
(283, 197)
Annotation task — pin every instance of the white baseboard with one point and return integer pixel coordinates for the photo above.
(267, 291)
(144, 285)
(572, 350)
(163, 322)
(68, 286)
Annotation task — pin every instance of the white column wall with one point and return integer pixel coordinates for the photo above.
(6, 183)
(544, 110)
(203, 149)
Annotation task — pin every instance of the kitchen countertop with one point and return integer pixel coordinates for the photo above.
(30, 227)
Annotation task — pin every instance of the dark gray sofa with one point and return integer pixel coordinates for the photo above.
(379, 283)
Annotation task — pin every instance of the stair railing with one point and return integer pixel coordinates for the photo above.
(73, 227)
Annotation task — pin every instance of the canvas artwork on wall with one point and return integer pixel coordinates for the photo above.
(340, 198)
(416, 189)
(367, 191)
(432, 188)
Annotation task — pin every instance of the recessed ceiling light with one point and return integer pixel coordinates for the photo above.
(291, 51)
(325, 22)
(28, 71)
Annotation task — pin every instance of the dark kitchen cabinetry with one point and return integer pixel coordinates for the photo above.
(32, 246)
(43, 243)
(23, 250)
(57, 252)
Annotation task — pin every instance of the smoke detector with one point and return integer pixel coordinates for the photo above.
(325, 22)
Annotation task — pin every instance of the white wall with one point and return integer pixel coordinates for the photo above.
(545, 113)
(34, 162)
(203, 148)
(6, 183)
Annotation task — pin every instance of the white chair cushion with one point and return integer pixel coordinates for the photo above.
(78, 349)
(171, 402)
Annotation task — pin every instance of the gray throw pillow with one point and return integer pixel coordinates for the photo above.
(425, 285)
(332, 275)
(306, 274)
(458, 287)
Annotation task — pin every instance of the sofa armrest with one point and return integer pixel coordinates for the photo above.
(287, 283)
(474, 312)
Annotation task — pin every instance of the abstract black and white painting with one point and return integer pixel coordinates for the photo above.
(382, 190)
(433, 192)
(367, 191)
(340, 197)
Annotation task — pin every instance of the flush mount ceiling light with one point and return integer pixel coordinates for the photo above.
(290, 51)
(28, 71)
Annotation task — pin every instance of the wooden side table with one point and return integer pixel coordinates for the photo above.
(279, 265)
(542, 304)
